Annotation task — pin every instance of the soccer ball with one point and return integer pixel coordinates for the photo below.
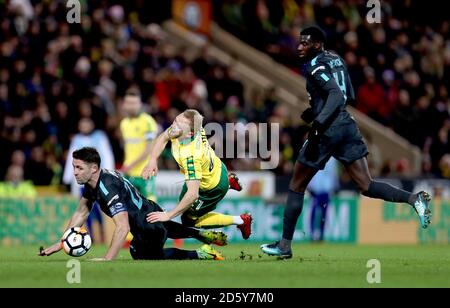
(76, 241)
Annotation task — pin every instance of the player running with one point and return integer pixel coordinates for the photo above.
(333, 133)
(206, 177)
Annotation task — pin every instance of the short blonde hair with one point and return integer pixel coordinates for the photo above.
(195, 119)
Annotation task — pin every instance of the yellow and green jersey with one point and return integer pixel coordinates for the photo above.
(136, 132)
(197, 160)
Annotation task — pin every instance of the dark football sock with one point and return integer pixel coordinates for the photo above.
(294, 206)
(285, 244)
(179, 254)
(387, 192)
(176, 230)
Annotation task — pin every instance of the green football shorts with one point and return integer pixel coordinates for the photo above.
(208, 199)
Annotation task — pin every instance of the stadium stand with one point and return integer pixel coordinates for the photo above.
(52, 74)
(400, 69)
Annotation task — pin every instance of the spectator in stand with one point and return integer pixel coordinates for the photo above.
(87, 136)
(55, 73)
(36, 168)
(15, 185)
(409, 56)
(371, 97)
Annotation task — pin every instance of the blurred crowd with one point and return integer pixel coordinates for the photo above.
(400, 67)
(60, 80)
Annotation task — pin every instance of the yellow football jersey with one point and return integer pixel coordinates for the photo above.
(197, 160)
(136, 132)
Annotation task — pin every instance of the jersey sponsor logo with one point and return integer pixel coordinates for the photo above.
(117, 208)
(118, 205)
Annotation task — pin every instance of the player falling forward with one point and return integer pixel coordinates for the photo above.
(206, 177)
(121, 201)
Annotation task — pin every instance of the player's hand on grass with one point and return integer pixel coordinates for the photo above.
(150, 170)
(50, 250)
(158, 216)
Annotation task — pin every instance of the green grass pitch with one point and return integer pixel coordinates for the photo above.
(319, 265)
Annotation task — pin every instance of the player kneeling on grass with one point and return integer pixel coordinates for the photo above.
(121, 201)
(206, 178)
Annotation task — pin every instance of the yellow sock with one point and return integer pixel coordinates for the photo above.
(214, 220)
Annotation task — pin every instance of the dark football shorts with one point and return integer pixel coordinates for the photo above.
(343, 142)
(148, 246)
(148, 238)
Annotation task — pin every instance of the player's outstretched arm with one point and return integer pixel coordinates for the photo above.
(193, 187)
(78, 219)
(120, 234)
(158, 147)
(50, 250)
(81, 214)
(188, 199)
